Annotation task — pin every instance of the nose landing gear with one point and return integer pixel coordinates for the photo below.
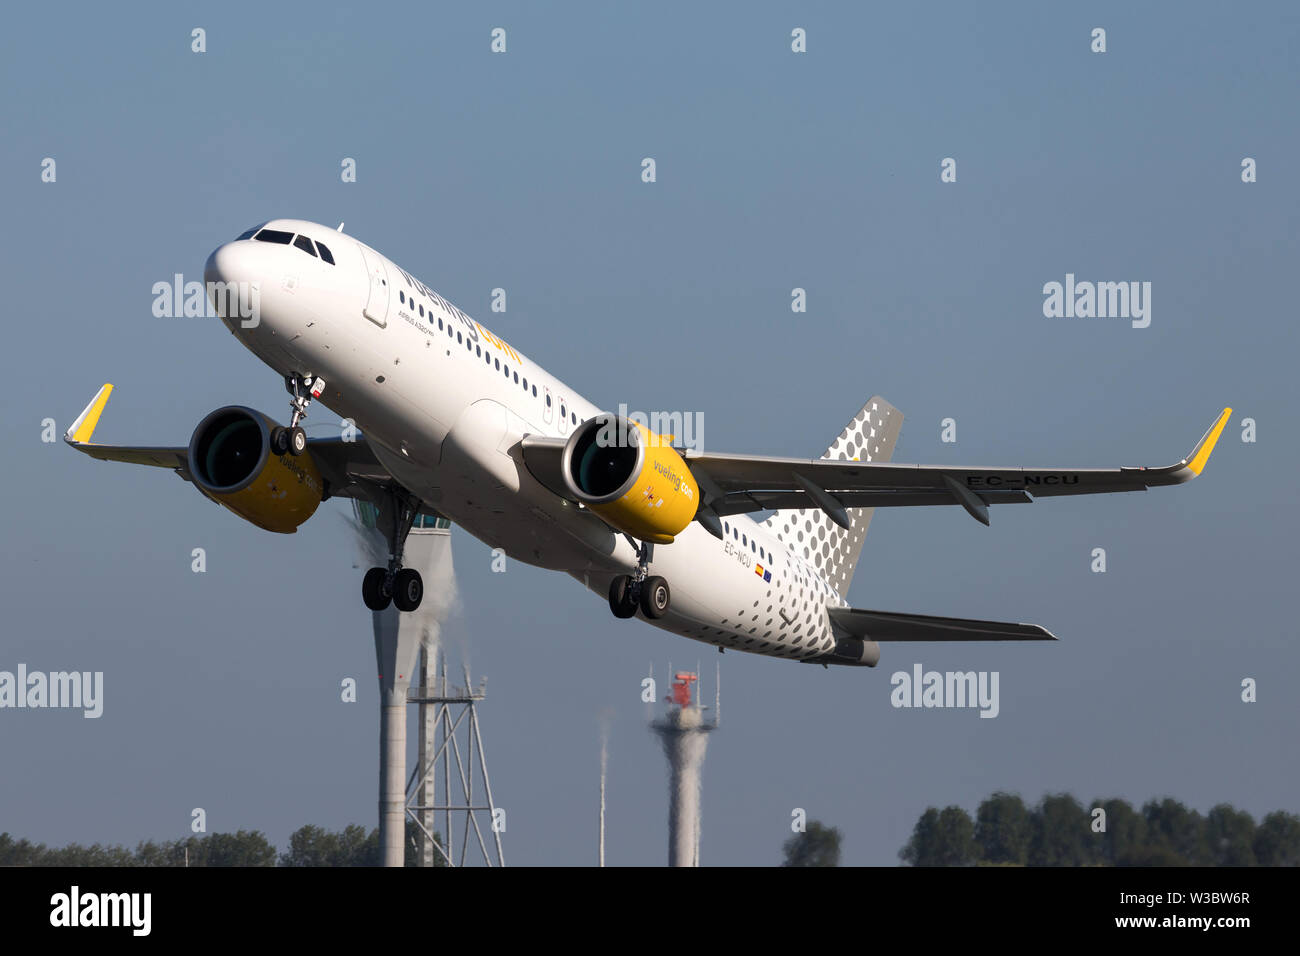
(293, 440)
(394, 584)
(649, 592)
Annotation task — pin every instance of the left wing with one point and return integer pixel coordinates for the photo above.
(736, 484)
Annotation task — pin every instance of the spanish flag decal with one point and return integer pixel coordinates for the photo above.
(765, 575)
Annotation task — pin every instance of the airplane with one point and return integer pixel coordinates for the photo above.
(453, 421)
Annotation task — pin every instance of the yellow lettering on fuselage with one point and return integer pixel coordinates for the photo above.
(498, 342)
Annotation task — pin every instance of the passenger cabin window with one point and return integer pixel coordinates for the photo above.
(535, 392)
(325, 252)
(303, 243)
(274, 235)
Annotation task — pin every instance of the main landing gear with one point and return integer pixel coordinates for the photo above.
(303, 388)
(649, 592)
(394, 584)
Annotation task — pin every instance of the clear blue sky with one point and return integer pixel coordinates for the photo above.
(775, 170)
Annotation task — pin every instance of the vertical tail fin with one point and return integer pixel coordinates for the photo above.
(832, 550)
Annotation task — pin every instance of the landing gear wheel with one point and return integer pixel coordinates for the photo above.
(408, 589)
(296, 440)
(280, 440)
(622, 601)
(655, 597)
(372, 589)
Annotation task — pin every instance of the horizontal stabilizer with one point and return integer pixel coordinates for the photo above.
(889, 626)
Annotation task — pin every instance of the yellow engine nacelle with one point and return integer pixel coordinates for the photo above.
(231, 462)
(631, 477)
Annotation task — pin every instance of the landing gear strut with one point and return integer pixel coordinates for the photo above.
(303, 388)
(640, 589)
(394, 584)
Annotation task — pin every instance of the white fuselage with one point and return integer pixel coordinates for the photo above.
(442, 402)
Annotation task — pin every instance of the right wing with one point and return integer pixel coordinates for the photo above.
(737, 484)
(350, 467)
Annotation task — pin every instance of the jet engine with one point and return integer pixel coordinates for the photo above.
(232, 462)
(634, 479)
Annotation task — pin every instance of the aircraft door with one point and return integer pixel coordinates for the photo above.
(547, 413)
(564, 416)
(376, 309)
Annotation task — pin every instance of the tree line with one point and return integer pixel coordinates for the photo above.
(308, 846)
(1059, 831)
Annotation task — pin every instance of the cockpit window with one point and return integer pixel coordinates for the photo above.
(249, 233)
(305, 243)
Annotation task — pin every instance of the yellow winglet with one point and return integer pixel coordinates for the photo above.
(80, 431)
(1201, 453)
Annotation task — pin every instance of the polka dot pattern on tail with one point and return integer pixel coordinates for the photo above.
(870, 436)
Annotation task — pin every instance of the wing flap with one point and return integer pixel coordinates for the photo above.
(747, 501)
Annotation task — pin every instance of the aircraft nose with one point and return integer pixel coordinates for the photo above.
(232, 278)
(233, 262)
